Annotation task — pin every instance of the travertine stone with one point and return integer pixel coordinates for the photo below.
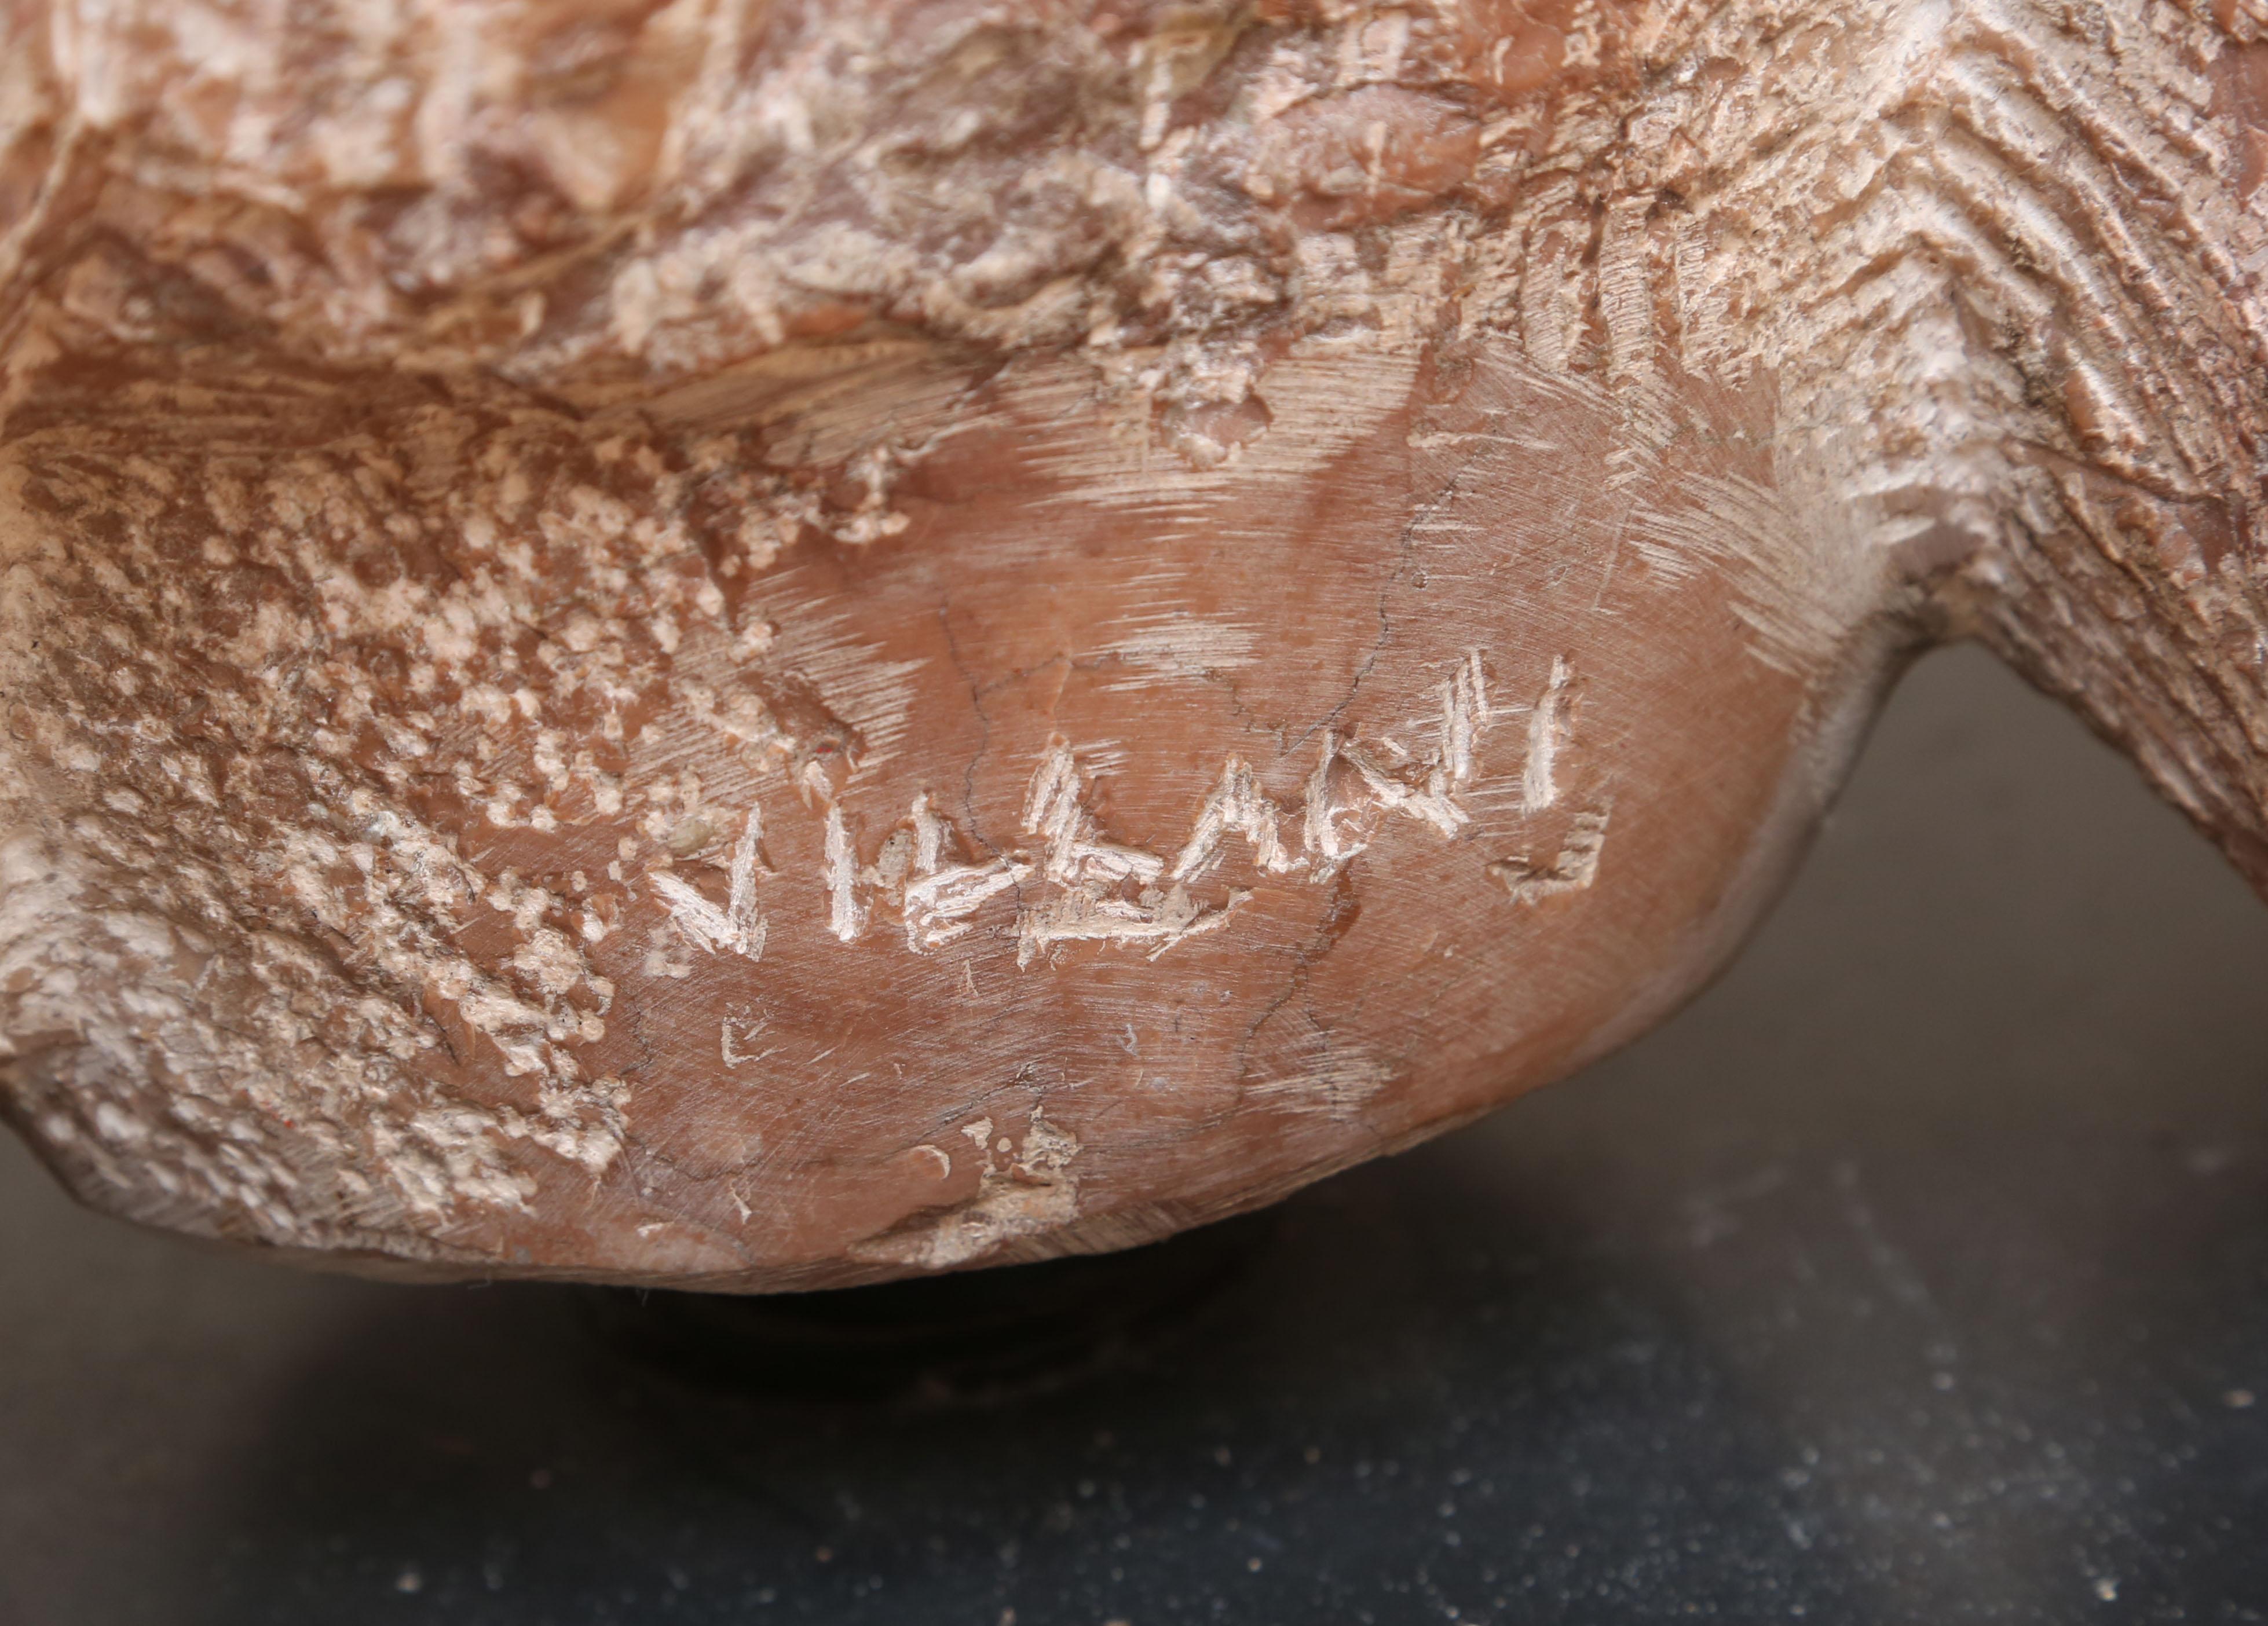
(769, 645)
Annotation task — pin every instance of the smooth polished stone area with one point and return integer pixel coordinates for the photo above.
(1918, 1272)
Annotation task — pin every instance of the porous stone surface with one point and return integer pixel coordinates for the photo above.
(762, 646)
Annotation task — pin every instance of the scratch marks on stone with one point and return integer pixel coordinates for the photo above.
(922, 870)
(1546, 731)
(1175, 645)
(1335, 1082)
(1320, 400)
(1573, 868)
(738, 927)
(938, 906)
(1429, 800)
(869, 692)
(1157, 919)
(1087, 877)
(1023, 1190)
(1392, 781)
(1465, 715)
(735, 1034)
(846, 913)
(1319, 834)
(939, 896)
(1054, 809)
(1235, 806)
(1076, 883)
(1354, 787)
(1798, 602)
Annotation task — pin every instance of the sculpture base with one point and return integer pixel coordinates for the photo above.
(967, 1338)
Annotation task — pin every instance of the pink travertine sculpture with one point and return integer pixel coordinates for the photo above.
(767, 645)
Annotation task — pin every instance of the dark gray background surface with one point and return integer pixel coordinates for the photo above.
(1918, 1272)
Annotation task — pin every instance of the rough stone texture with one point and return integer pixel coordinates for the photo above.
(765, 645)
